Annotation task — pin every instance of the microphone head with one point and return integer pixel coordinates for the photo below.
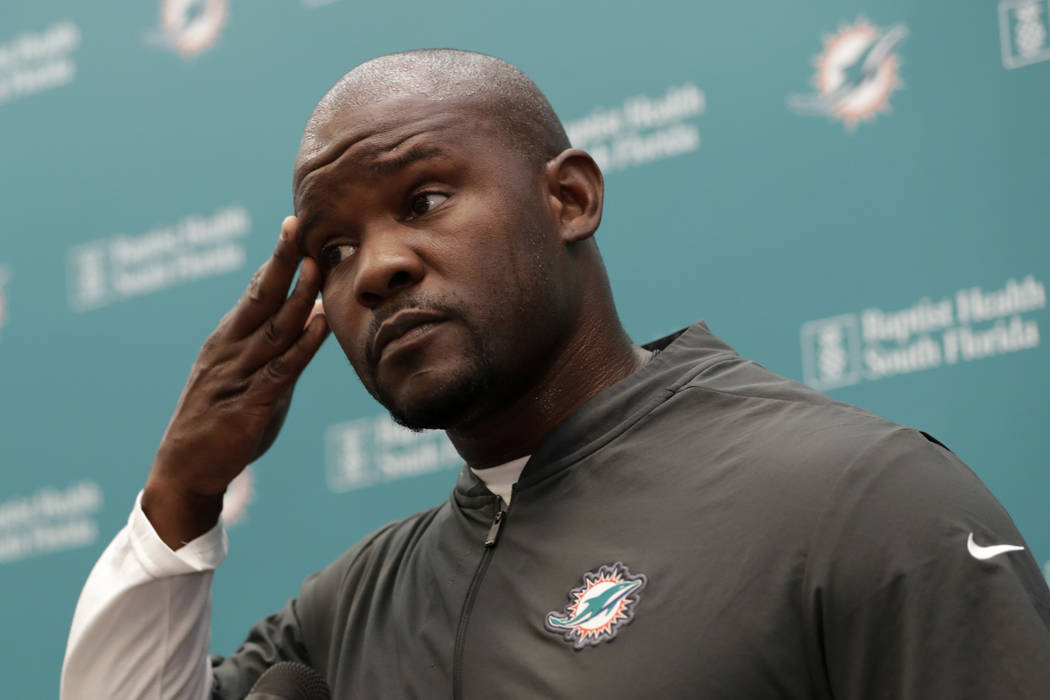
(290, 680)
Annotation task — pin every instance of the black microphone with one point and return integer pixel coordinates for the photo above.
(290, 680)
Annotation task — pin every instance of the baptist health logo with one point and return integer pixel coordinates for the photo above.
(973, 324)
(1024, 32)
(189, 27)
(33, 62)
(831, 352)
(374, 450)
(124, 267)
(49, 521)
(855, 74)
(642, 129)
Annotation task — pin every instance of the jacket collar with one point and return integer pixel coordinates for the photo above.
(679, 357)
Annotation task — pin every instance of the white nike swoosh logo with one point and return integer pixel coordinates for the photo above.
(978, 552)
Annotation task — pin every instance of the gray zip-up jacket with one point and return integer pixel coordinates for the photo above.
(701, 529)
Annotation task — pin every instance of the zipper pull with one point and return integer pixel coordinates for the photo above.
(497, 523)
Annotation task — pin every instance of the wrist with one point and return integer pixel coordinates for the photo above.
(177, 514)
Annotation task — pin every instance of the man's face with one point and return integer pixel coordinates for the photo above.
(444, 277)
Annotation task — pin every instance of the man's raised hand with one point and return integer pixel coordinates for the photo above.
(237, 395)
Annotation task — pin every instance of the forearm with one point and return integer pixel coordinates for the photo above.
(141, 627)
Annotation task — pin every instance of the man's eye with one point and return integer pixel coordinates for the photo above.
(425, 201)
(332, 255)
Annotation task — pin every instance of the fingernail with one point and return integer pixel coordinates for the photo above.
(317, 310)
(286, 227)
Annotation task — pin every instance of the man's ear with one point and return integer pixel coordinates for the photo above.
(576, 190)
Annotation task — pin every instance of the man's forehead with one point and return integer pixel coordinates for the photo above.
(372, 132)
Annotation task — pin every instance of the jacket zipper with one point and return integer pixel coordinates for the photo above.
(475, 583)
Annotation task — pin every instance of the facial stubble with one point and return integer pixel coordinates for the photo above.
(456, 401)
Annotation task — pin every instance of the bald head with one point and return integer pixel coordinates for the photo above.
(492, 88)
(439, 187)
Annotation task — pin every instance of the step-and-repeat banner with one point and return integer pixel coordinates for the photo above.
(855, 194)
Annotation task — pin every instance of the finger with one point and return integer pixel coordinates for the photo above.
(279, 374)
(269, 286)
(277, 333)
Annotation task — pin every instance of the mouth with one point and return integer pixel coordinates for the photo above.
(403, 329)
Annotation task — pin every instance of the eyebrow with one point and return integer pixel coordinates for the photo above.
(304, 229)
(419, 152)
(381, 168)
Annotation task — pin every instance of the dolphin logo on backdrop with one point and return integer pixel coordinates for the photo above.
(190, 27)
(855, 74)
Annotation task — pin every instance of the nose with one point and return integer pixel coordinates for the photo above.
(386, 265)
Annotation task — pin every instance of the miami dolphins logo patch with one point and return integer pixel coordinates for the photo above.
(602, 604)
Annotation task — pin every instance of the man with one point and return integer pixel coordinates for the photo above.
(667, 521)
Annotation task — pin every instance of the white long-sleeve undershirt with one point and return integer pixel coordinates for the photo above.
(142, 624)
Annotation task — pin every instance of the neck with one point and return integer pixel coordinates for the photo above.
(596, 357)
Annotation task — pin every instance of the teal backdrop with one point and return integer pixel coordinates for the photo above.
(854, 194)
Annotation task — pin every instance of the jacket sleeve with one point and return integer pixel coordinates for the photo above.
(276, 638)
(141, 626)
(302, 631)
(906, 603)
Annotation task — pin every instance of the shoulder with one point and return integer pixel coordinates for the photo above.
(824, 465)
(904, 497)
(879, 509)
(372, 558)
(907, 521)
(783, 428)
(372, 548)
(912, 554)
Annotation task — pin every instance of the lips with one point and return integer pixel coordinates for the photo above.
(400, 324)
